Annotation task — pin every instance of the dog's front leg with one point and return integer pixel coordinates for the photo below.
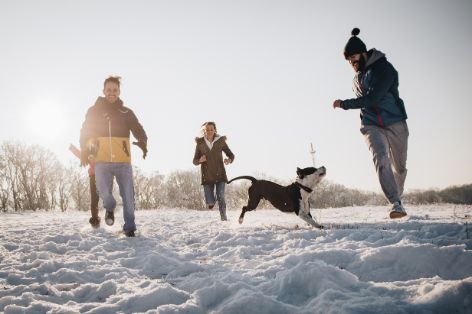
(309, 220)
(306, 216)
(304, 204)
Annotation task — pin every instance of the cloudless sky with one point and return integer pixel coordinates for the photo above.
(266, 72)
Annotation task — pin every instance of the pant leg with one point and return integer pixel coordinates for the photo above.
(124, 178)
(220, 196)
(209, 191)
(93, 197)
(104, 180)
(377, 141)
(397, 135)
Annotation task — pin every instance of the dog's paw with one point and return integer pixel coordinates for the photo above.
(240, 220)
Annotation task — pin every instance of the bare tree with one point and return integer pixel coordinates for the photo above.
(4, 192)
(184, 190)
(36, 167)
(3, 184)
(149, 190)
(237, 195)
(64, 187)
(79, 188)
(9, 153)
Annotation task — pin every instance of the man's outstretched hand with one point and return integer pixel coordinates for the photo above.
(337, 103)
(143, 146)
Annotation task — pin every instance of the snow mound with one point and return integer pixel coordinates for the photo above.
(186, 261)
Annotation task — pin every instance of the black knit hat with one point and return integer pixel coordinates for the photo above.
(354, 45)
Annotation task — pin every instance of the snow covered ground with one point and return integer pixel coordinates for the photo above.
(186, 261)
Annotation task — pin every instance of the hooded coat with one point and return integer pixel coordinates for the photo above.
(212, 170)
(376, 88)
(106, 130)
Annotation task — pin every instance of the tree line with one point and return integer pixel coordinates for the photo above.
(32, 178)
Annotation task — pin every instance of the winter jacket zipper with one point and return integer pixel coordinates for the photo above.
(363, 91)
(109, 138)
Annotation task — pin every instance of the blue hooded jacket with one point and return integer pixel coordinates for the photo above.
(377, 94)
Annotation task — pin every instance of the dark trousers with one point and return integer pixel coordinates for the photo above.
(93, 197)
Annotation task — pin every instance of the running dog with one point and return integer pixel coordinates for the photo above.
(291, 198)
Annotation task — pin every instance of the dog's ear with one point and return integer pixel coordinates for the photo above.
(300, 173)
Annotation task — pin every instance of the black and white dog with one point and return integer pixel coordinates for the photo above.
(291, 198)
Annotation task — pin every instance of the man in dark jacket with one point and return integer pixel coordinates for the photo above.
(383, 117)
(104, 138)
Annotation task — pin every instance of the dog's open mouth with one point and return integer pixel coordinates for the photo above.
(322, 171)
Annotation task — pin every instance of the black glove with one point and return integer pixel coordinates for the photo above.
(84, 160)
(143, 146)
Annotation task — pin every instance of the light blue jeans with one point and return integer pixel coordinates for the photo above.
(209, 190)
(123, 172)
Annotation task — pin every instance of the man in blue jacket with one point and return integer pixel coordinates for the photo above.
(383, 117)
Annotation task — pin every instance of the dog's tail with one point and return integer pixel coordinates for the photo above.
(243, 177)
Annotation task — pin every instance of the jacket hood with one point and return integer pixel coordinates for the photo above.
(217, 138)
(374, 56)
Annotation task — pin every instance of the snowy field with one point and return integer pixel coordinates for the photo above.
(186, 261)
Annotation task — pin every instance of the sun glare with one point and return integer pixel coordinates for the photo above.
(46, 121)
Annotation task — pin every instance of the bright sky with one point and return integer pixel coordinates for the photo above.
(266, 72)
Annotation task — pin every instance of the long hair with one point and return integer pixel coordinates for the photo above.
(209, 123)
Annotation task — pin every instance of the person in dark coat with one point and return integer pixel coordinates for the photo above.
(209, 155)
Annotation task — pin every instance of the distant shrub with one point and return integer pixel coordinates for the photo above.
(32, 178)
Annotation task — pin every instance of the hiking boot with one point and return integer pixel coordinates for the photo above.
(94, 221)
(397, 211)
(130, 233)
(109, 218)
(210, 206)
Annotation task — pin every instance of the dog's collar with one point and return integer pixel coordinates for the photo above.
(301, 186)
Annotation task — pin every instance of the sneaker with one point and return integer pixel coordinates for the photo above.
(95, 221)
(397, 211)
(109, 218)
(130, 234)
(210, 206)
